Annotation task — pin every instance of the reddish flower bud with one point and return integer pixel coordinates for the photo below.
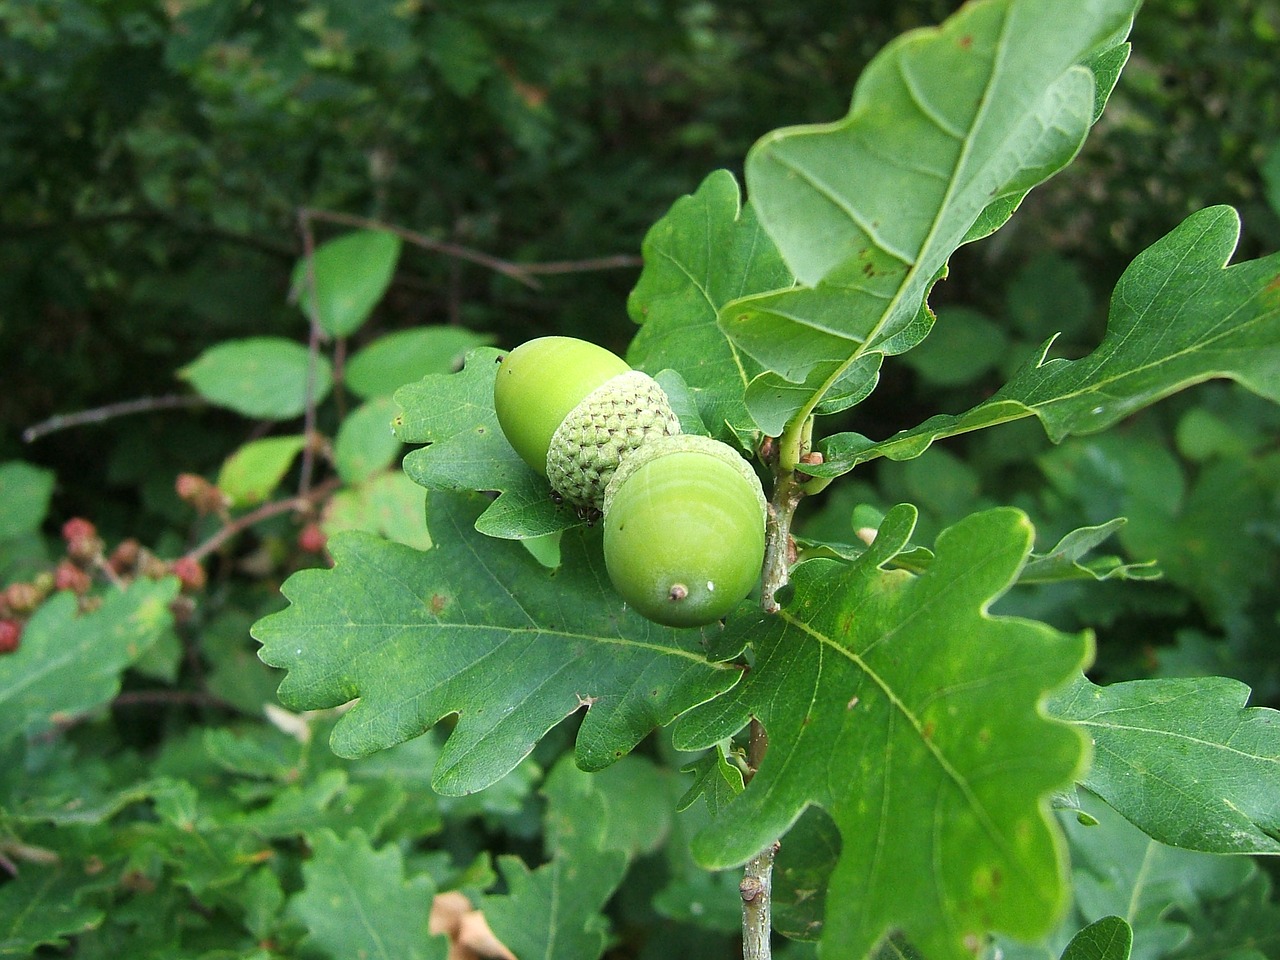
(68, 576)
(190, 573)
(10, 635)
(311, 538)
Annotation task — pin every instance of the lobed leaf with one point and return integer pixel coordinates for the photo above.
(356, 902)
(897, 704)
(466, 451)
(705, 252)
(1183, 759)
(554, 912)
(1179, 316)
(948, 129)
(479, 629)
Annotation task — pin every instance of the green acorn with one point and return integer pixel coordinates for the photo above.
(684, 530)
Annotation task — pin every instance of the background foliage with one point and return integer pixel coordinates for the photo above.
(153, 160)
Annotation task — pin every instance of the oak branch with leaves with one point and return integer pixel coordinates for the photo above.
(868, 681)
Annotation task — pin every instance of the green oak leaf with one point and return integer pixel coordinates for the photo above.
(1120, 871)
(912, 716)
(554, 912)
(948, 129)
(69, 663)
(356, 902)
(453, 414)
(478, 628)
(1065, 560)
(706, 251)
(1183, 759)
(1214, 321)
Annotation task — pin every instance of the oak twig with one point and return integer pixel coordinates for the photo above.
(110, 411)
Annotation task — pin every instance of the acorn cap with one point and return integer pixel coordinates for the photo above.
(624, 414)
(684, 443)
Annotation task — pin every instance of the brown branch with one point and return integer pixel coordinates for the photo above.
(243, 522)
(505, 267)
(112, 410)
(168, 698)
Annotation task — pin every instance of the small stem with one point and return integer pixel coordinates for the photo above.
(267, 510)
(778, 545)
(109, 412)
(757, 901)
(313, 353)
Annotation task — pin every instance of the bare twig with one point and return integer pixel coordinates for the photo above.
(505, 267)
(313, 355)
(109, 412)
(523, 273)
(168, 698)
(299, 504)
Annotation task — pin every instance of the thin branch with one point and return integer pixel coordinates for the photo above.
(300, 504)
(505, 267)
(617, 261)
(168, 698)
(523, 273)
(313, 355)
(109, 412)
(756, 889)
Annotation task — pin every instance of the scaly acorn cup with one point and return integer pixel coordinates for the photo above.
(539, 382)
(684, 530)
(611, 422)
(574, 411)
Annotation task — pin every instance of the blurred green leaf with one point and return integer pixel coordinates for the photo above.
(264, 377)
(1049, 298)
(899, 705)
(357, 902)
(40, 908)
(394, 359)
(962, 346)
(24, 497)
(365, 443)
(1224, 758)
(554, 912)
(250, 474)
(387, 504)
(351, 273)
(1214, 321)
(1107, 939)
(69, 663)
(477, 627)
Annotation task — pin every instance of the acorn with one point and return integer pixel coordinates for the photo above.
(684, 530)
(574, 411)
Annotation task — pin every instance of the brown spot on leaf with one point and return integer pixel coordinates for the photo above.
(965, 42)
(438, 603)
(927, 730)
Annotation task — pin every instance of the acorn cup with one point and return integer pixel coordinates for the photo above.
(574, 411)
